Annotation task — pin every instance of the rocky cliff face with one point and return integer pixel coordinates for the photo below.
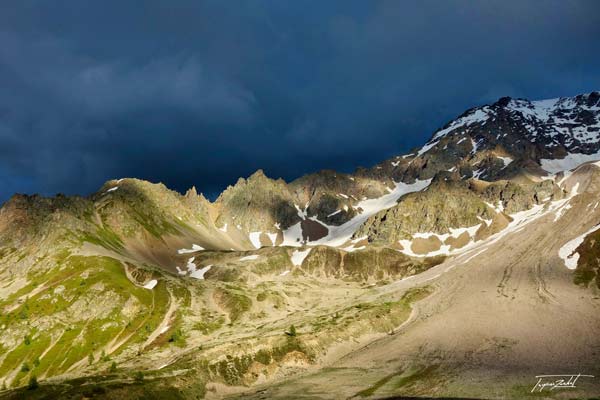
(446, 203)
(450, 203)
(257, 204)
(513, 139)
(507, 138)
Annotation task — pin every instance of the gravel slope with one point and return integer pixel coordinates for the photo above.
(502, 313)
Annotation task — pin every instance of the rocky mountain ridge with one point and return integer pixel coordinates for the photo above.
(139, 274)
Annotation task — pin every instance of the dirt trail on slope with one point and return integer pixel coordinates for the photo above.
(503, 313)
(164, 324)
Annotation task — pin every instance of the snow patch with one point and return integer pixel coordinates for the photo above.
(351, 248)
(301, 213)
(292, 236)
(567, 251)
(334, 213)
(500, 207)
(151, 284)
(505, 160)
(255, 239)
(475, 116)
(474, 146)
(426, 148)
(559, 213)
(273, 237)
(249, 258)
(571, 161)
(477, 174)
(199, 274)
(299, 256)
(192, 269)
(164, 329)
(194, 248)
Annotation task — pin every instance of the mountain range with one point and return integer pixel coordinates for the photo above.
(472, 259)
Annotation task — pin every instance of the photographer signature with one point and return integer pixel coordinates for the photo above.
(551, 382)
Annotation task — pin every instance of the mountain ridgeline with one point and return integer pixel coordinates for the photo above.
(138, 280)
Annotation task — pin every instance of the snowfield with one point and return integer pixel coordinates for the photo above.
(571, 161)
(338, 235)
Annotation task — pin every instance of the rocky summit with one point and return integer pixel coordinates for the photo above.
(471, 259)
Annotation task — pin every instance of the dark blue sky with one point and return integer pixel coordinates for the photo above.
(202, 92)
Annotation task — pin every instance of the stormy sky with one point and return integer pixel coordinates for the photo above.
(202, 92)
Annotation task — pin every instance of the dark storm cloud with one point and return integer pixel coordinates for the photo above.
(199, 93)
